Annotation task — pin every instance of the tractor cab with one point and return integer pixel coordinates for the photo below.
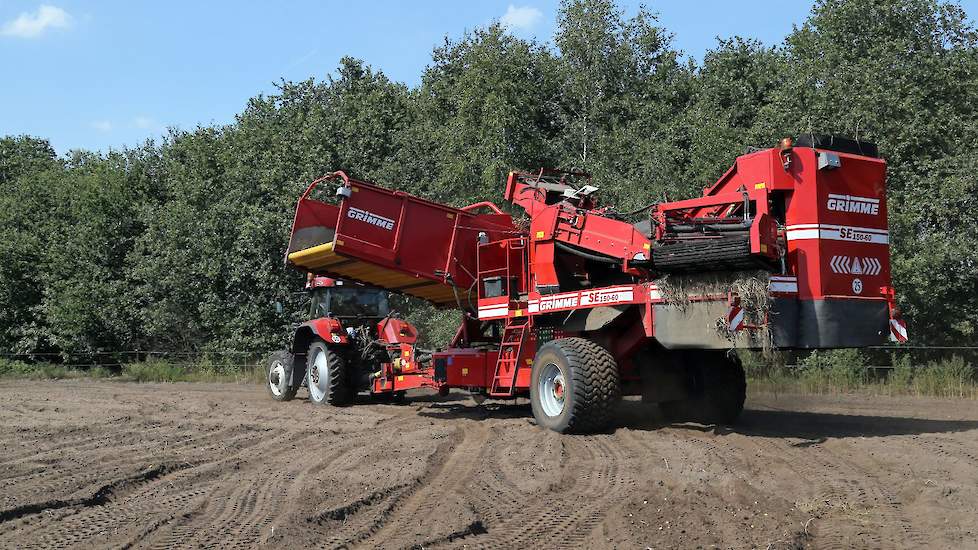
(345, 301)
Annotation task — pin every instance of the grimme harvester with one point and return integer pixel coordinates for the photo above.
(577, 305)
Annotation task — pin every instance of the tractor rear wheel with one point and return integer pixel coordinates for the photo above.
(718, 388)
(327, 376)
(278, 376)
(574, 386)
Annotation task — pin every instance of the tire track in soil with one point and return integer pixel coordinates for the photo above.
(858, 495)
(80, 443)
(219, 521)
(237, 512)
(275, 487)
(452, 464)
(130, 501)
(66, 479)
(700, 459)
(494, 495)
(90, 470)
(597, 467)
(476, 476)
(103, 518)
(948, 449)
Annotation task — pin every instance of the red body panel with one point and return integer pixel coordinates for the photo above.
(831, 247)
(328, 330)
(399, 241)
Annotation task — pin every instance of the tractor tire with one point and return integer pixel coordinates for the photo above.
(718, 388)
(574, 386)
(327, 377)
(278, 376)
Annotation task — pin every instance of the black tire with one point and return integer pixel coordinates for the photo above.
(589, 386)
(718, 388)
(324, 363)
(278, 376)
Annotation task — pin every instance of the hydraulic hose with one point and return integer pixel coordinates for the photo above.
(586, 255)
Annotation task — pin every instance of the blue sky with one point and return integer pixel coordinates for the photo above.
(100, 75)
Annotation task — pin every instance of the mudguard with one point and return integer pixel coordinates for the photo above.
(327, 329)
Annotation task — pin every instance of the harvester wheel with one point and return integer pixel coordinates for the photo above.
(574, 386)
(718, 387)
(327, 377)
(279, 376)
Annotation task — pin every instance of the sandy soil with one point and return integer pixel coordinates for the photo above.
(209, 465)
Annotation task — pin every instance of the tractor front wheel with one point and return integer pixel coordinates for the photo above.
(278, 376)
(574, 386)
(327, 376)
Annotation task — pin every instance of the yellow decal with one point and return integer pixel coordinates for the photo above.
(449, 215)
(529, 362)
(540, 234)
(339, 242)
(407, 353)
(647, 246)
(400, 378)
(465, 372)
(355, 189)
(759, 185)
(518, 313)
(763, 248)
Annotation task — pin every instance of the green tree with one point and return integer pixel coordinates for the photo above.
(24, 155)
(621, 85)
(486, 105)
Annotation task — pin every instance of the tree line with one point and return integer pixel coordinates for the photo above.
(178, 244)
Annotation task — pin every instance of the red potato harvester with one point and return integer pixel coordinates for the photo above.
(580, 305)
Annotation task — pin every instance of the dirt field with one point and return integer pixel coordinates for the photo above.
(198, 465)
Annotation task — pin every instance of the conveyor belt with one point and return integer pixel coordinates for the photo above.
(719, 254)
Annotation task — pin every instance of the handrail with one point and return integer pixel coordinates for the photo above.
(337, 174)
(486, 204)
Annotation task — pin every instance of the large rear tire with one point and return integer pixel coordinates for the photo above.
(574, 386)
(278, 376)
(718, 389)
(327, 377)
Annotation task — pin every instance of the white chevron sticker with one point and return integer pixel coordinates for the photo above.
(855, 265)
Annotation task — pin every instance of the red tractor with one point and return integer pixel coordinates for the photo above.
(352, 343)
(577, 304)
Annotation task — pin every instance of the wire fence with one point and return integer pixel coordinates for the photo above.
(118, 359)
(874, 358)
(885, 358)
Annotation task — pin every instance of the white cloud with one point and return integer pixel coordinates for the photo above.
(521, 18)
(143, 122)
(102, 125)
(32, 25)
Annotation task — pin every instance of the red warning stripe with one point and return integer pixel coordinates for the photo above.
(898, 330)
(735, 318)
